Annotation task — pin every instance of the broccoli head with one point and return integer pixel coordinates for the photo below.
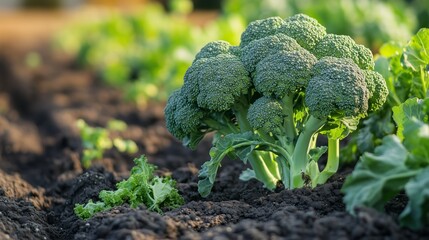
(261, 48)
(284, 73)
(377, 88)
(338, 88)
(266, 114)
(260, 29)
(182, 117)
(213, 49)
(305, 30)
(217, 83)
(342, 46)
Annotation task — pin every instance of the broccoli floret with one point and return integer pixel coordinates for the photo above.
(362, 56)
(260, 29)
(337, 88)
(269, 98)
(284, 73)
(259, 49)
(267, 115)
(213, 49)
(377, 88)
(305, 30)
(217, 83)
(182, 117)
(342, 46)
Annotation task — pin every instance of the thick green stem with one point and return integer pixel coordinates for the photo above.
(300, 155)
(333, 161)
(289, 123)
(262, 172)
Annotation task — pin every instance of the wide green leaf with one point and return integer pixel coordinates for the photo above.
(416, 213)
(416, 134)
(416, 52)
(378, 177)
(412, 108)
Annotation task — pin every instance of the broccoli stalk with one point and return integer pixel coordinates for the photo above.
(268, 100)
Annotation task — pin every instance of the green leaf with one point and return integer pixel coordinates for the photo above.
(416, 213)
(339, 128)
(417, 50)
(142, 187)
(161, 188)
(247, 175)
(416, 140)
(390, 49)
(412, 108)
(192, 140)
(88, 210)
(316, 153)
(378, 177)
(240, 144)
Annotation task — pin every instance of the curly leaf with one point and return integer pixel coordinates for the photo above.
(162, 188)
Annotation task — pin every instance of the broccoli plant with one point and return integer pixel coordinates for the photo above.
(96, 140)
(268, 99)
(142, 187)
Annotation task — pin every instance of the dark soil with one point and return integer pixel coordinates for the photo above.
(41, 178)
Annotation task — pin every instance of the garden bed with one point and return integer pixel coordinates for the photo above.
(41, 178)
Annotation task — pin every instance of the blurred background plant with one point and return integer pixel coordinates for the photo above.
(369, 22)
(145, 52)
(97, 140)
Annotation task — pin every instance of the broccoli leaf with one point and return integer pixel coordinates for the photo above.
(247, 175)
(416, 140)
(378, 177)
(416, 213)
(417, 50)
(412, 108)
(416, 57)
(240, 144)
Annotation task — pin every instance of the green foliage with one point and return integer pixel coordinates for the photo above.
(269, 98)
(96, 140)
(399, 163)
(142, 187)
(369, 22)
(405, 68)
(145, 53)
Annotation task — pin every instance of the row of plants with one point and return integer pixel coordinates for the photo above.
(370, 22)
(146, 52)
